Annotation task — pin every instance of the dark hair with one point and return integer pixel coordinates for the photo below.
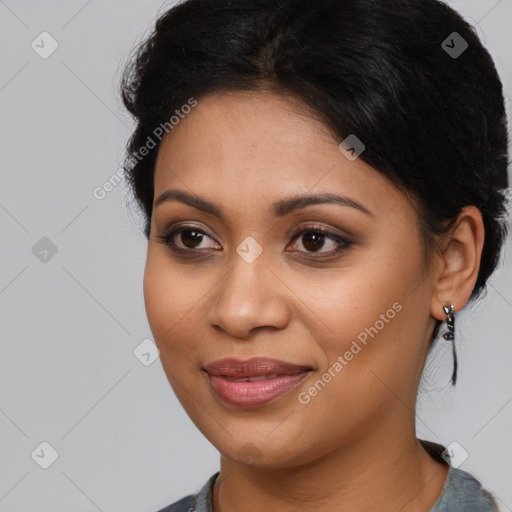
(432, 121)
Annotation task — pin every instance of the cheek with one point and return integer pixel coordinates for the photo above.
(376, 319)
(158, 296)
(169, 298)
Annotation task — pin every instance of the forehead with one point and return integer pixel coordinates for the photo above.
(248, 124)
(260, 147)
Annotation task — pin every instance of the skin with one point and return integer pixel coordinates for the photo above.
(243, 151)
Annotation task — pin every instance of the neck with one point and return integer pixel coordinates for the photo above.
(386, 471)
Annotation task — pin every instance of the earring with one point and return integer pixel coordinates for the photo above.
(450, 336)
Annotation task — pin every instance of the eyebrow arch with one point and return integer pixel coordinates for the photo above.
(278, 209)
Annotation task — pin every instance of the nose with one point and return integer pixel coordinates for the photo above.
(249, 296)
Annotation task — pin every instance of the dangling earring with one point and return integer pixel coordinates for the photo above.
(450, 336)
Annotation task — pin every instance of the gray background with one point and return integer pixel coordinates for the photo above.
(69, 326)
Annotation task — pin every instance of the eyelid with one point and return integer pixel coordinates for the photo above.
(344, 242)
(316, 227)
(176, 229)
(341, 240)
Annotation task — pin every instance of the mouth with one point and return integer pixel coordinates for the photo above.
(254, 382)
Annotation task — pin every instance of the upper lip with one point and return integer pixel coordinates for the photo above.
(255, 367)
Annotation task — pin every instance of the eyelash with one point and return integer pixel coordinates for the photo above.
(344, 243)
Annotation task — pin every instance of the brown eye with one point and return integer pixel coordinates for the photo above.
(185, 239)
(313, 239)
(190, 238)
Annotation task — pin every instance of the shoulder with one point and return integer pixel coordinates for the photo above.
(199, 502)
(463, 492)
(186, 504)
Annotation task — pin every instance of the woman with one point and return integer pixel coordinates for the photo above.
(323, 185)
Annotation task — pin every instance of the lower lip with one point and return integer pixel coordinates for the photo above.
(254, 394)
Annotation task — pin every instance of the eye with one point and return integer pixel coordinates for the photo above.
(185, 239)
(314, 238)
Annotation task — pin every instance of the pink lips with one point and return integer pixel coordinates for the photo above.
(253, 382)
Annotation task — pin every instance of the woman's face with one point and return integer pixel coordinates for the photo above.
(351, 308)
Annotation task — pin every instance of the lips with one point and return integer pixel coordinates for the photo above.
(253, 382)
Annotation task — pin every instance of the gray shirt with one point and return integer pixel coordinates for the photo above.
(461, 492)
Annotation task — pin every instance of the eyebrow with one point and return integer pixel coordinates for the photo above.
(278, 209)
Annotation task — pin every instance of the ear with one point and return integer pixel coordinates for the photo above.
(459, 262)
